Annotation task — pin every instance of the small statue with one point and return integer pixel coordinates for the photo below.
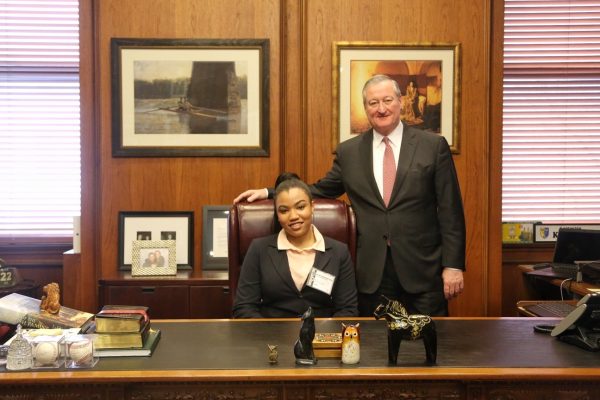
(350, 344)
(272, 353)
(51, 298)
(303, 349)
(20, 354)
(400, 326)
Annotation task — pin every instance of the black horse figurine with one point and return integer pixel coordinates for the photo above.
(401, 325)
(303, 349)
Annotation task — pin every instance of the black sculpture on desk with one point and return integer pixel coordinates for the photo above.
(401, 325)
(303, 349)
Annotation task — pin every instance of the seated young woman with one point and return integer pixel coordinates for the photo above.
(283, 274)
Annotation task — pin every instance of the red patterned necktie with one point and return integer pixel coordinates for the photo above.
(389, 171)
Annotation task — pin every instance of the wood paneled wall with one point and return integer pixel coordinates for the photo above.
(301, 33)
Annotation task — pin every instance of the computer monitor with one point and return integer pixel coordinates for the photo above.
(577, 245)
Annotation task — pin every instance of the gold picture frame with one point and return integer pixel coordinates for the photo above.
(153, 258)
(431, 103)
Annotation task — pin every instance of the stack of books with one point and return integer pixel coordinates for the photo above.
(124, 331)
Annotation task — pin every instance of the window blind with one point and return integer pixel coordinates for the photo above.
(551, 111)
(39, 117)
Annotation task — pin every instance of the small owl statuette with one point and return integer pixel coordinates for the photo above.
(350, 344)
(272, 353)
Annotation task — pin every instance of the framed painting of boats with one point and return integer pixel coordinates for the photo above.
(190, 97)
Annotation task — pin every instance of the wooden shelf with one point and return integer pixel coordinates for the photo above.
(189, 294)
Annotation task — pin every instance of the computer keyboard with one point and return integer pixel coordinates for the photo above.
(558, 309)
(566, 270)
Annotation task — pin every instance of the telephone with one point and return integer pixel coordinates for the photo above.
(582, 326)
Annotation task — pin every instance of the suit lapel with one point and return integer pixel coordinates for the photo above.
(282, 267)
(366, 160)
(322, 259)
(407, 153)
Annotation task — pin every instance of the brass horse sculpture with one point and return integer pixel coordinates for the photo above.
(401, 325)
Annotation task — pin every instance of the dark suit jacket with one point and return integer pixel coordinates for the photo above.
(424, 221)
(266, 288)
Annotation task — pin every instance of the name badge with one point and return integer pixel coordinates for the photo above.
(321, 281)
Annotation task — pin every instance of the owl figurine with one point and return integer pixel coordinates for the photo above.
(350, 344)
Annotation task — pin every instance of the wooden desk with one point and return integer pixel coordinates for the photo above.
(579, 288)
(521, 306)
(478, 358)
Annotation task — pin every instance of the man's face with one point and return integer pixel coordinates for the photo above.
(382, 107)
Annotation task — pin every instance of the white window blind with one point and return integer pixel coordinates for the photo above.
(551, 113)
(39, 117)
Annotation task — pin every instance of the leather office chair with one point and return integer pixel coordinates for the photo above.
(247, 221)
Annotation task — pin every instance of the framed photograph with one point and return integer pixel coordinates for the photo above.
(192, 97)
(428, 76)
(214, 237)
(153, 258)
(157, 226)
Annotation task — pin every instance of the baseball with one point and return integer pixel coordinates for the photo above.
(45, 353)
(81, 352)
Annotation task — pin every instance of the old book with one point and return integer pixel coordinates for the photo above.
(19, 309)
(122, 340)
(121, 318)
(124, 309)
(147, 350)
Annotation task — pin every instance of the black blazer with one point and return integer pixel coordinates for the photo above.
(424, 221)
(266, 288)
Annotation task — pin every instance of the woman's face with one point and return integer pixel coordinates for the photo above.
(294, 211)
(151, 257)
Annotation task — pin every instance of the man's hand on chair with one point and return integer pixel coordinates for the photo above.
(251, 195)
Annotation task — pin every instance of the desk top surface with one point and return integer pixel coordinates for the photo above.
(464, 345)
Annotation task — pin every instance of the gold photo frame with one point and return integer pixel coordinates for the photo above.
(153, 258)
(428, 76)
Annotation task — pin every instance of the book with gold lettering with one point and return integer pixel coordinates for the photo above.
(116, 318)
(145, 351)
(122, 340)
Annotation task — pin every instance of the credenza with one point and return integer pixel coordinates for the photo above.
(189, 294)
(478, 358)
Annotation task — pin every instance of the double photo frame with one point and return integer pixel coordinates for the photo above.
(158, 230)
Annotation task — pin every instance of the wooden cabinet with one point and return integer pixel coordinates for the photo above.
(187, 295)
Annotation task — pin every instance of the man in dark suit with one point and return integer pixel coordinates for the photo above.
(403, 187)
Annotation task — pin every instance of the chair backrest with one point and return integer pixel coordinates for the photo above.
(247, 221)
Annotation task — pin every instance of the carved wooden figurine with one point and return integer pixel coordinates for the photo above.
(350, 344)
(303, 349)
(272, 353)
(51, 298)
(401, 325)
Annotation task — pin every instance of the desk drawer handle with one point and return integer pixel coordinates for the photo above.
(148, 289)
